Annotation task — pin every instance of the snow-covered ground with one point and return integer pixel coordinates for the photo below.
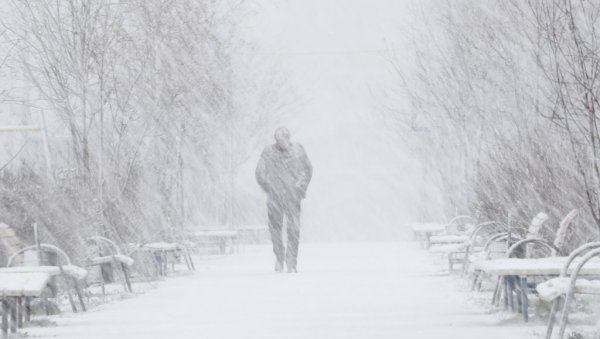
(358, 290)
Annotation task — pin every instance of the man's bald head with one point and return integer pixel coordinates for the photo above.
(282, 138)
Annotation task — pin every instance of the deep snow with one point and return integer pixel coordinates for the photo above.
(358, 290)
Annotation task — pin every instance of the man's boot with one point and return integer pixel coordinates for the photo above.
(278, 266)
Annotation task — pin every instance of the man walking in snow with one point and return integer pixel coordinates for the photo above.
(284, 173)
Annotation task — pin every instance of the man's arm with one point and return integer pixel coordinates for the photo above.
(307, 170)
(261, 172)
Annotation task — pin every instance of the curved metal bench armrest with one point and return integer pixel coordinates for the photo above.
(538, 241)
(35, 247)
(496, 237)
(454, 220)
(484, 225)
(571, 290)
(586, 258)
(110, 243)
(576, 253)
(458, 217)
(480, 227)
(499, 237)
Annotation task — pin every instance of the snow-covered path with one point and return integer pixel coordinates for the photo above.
(378, 290)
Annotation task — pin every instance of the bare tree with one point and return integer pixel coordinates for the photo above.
(151, 95)
(502, 130)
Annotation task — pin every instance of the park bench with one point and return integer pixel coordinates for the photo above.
(496, 246)
(459, 252)
(165, 253)
(422, 232)
(105, 254)
(516, 274)
(59, 266)
(16, 291)
(224, 239)
(456, 232)
(489, 247)
(579, 275)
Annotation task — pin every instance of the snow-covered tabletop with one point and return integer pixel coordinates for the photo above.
(532, 267)
(110, 258)
(23, 284)
(72, 270)
(430, 227)
(162, 246)
(448, 239)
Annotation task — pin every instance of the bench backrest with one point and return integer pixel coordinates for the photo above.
(9, 240)
(50, 255)
(536, 225)
(533, 232)
(561, 233)
(460, 224)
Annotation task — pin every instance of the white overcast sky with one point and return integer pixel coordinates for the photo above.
(335, 53)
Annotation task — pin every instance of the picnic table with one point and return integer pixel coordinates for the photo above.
(14, 289)
(424, 231)
(516, 271)
(73, 271)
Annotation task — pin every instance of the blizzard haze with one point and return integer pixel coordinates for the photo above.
(364, 184)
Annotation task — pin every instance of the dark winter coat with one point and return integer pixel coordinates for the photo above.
(284, 174)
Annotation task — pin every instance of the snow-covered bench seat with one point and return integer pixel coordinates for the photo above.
(70, 270)
(448, 239)
(551, 266)
(105, 253)
(119, 258)
(162, 246)
(77, 273)
(60, 266)
(24, 284)
(14, 289)
(556, 287)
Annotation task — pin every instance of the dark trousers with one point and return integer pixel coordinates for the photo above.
(277, 210)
